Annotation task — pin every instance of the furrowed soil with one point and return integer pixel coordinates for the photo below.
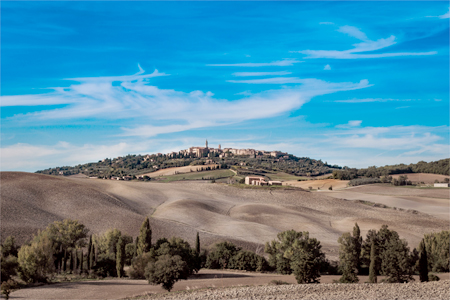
(247, 217)
(218, 284)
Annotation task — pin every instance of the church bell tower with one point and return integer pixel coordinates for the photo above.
(206, 144)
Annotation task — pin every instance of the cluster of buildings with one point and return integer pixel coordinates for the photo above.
(257, 180)
(225, 152)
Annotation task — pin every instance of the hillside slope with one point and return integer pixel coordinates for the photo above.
(249, 217)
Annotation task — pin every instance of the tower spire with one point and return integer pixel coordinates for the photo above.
(207, 143)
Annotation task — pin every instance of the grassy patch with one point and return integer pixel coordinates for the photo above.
(205, 175)
(284, 176)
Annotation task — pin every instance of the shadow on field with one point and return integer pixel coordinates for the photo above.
(218, 275)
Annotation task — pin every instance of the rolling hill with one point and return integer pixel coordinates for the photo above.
(248, 217)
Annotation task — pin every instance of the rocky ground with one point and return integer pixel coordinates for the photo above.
(415, 290)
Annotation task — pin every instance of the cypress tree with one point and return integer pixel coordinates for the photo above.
(65, 260)
(88, 255)
(423, 262)
(91, 257)
(197, 243)
(145, 237)
(358, 244)
(372, 270)
(81, 261)
(71, 261)
(120, 257)
(136, 242)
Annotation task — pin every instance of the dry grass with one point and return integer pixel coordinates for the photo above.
(322, 184)
(422, 177)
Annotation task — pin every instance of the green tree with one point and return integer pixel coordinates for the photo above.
(395, 262)
(197, 243)
(130, 251)
(9, 266)
(423, 262)
(36, 260)
(276, 250)
(305, 257)
(9, 247)
(220, 255)
(92, 257)
(438, 250)
(120, 258)
(372, 267)
(166, 271)
(88, 255)
(348, 258)
(145, 237)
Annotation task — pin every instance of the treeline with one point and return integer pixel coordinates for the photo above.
(66, 248)
(384, 253)
(435, 167)
(134, 165)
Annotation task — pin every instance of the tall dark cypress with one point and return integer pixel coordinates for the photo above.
(136, 243)
(372, 267)
(81, 261)
(88, 255)
(91, 257)
(145, 237)
(71, 261)
(423, 262)
(120, 257)
(65, 261)
(197, 243)
(358, 244)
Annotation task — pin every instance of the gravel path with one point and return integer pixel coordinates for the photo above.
(415, 290)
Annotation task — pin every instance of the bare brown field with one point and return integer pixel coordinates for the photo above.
(247, 217)
(423, 177)
(123, 288)
(322, 184)
(435, 202)
(176, 170)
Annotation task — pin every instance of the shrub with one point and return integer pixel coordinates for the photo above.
(105, 266)
(36, 260)
(139, 263)
(433, 277)
(166, 271)
(8, 266)
(278, 282)
(221, 254)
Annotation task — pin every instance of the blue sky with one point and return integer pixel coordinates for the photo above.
(351, 83)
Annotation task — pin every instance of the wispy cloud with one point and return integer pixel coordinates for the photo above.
(278, 63)
(358, 49)
(366, 100)
(353, 123)
(327, 67)
(248, 74)
(326, 23)
(150, 111)
(444, 16)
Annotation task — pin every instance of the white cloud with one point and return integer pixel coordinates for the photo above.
(28, 157)
(248, 74)
(151, 111)
(446, 15)
(354, 32)
(279, 63)
(327, 67)
(358, 49)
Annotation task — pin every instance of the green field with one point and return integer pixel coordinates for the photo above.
(205, 175)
